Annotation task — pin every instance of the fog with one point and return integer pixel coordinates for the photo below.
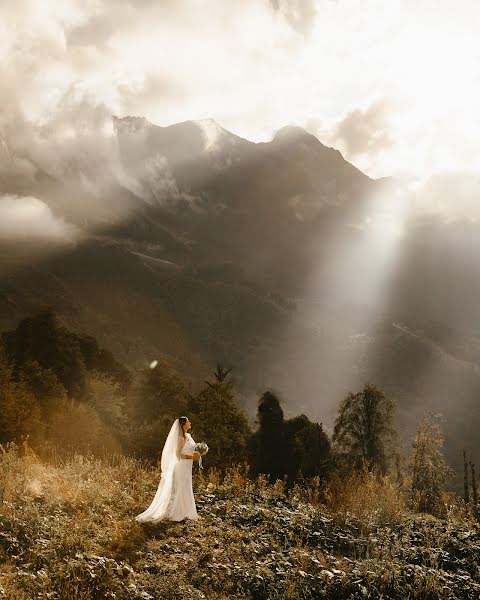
(392, 86)
(26, 218)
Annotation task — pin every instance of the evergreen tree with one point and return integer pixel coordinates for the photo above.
(308, 448)
(218, 420)
(39, 338)
(363, 430)
(268, 443)
(44, 385)
(101, 362)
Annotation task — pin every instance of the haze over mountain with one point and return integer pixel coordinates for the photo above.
(280, 259)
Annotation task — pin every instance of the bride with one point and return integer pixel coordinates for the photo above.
(174, 499)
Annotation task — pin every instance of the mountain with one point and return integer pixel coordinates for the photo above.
(253, 204)
(197, 244)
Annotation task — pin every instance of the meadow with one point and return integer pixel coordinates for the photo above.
(67, 531)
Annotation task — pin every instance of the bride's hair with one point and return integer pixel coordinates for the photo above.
(182, 421)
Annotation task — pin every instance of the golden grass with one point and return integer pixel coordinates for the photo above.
(78, 515)
(372, 499)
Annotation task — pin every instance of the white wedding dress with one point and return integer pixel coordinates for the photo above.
(174, 499)
(182, 501)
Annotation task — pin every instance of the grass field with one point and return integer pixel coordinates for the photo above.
(67, 530)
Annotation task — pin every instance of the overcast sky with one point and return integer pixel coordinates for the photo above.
(394, 85)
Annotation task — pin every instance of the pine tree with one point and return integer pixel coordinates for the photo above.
(268, 444)
(218, 420)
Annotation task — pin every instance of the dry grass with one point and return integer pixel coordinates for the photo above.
(67, 531)
(371, 499)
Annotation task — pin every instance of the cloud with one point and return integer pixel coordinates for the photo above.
(253, 66)
(142, 57)
(28, 219)
(67, 70)
(300, 14)
(363, 130)
(451, 195)
(150, 93)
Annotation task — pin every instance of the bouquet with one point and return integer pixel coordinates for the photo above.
(202, 448)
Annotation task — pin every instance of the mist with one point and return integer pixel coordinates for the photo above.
(130, 133)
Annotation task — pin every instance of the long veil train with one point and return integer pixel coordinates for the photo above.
(170, 457)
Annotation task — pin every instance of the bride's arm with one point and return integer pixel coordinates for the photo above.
(180, 444)
(194, 456)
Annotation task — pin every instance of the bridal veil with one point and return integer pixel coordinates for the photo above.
(170, 456)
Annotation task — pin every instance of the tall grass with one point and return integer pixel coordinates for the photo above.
(370, 498)
(67, 530)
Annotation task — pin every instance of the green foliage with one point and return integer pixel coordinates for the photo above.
(159, 392)
(293, 448)
(45, 391)
(37, 407)
(217, 419)
(309, 448)
(41, 339)
(76, 426)
(20, 413)
(363, 430)
(101, 362)
(45, 386)
(157, 397)
(146, 439)
(428, 468)
(109, 401)
(268, 444)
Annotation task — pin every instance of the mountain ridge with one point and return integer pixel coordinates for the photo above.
(208, 253)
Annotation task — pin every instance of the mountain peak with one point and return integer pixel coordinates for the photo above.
(294, 133)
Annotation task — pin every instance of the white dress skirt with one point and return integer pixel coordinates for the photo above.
(174, 499)
(182, 501)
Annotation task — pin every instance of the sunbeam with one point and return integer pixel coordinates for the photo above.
(345, 296)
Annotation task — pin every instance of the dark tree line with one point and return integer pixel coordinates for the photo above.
(47, 380)
(293, 448)
(41, 340)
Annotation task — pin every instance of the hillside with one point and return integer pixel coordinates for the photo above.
(198, 245)
(68, 531)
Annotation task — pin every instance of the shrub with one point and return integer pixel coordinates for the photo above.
(372, 498)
